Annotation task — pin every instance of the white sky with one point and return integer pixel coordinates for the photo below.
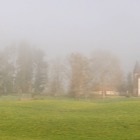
(63, 26)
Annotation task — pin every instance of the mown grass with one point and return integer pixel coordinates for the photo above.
(107, 119)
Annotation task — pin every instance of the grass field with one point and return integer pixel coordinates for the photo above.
(113, 119)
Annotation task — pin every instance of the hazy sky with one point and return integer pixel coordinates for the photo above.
(63, 26)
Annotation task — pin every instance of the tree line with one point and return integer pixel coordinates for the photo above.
(26, 70)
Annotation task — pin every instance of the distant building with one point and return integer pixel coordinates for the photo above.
(105, 91)
(136, 80)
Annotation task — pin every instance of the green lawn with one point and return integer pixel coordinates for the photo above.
(114, 119)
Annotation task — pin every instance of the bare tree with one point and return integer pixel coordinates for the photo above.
(106, 71)
(8, 69)
(25, 68)
(57, 77)
(79, 79)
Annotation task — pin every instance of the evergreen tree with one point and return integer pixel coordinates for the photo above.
(40, 71)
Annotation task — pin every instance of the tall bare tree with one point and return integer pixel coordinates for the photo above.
(106, 71)
(25, 68)
(57, 77)
(79, 79)
(7, 70)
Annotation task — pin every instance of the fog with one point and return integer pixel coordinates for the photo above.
(64, 26)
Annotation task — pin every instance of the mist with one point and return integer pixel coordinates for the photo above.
(69, 69)
(61, 27)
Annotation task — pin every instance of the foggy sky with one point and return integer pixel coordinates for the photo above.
(64, 26)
